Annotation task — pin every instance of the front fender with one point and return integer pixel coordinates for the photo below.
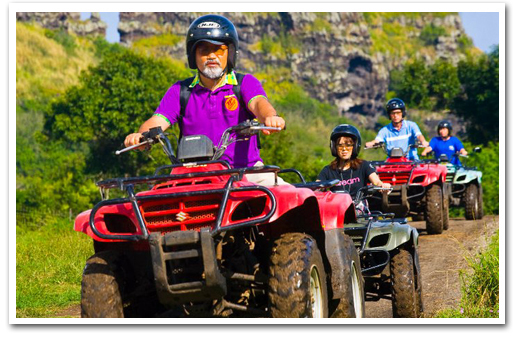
(336, 209)
(388, 235)
(466, 176)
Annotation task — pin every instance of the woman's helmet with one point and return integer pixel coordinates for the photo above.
(345, 130)
(444, 124)
(215, 29)
(394, 104)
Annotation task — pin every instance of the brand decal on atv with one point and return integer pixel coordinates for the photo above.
(209, 25)
(182, 216)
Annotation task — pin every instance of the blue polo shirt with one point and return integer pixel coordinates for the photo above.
(448, 147)
(400, 138)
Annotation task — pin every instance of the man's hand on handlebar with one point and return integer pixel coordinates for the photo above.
(133, 139)
(374, 144)
(273, 121)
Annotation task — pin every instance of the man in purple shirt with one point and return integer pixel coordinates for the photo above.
(212, 46)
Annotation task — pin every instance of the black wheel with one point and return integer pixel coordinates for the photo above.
(480, 202)
(297, 280)
(352, 304)
(434, 210)
(472, 206)
(101, 287)
(445, 204)
(405, 300)
(418, 273)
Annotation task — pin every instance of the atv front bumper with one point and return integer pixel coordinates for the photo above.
(185, 267)
(398, 201)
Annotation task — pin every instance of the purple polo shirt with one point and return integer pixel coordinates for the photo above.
(206, 113)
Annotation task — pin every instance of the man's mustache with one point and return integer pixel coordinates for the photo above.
(212, 61)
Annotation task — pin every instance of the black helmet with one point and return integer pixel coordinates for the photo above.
(345, 130)
(215, 29)
(394, 104)
(444, 124)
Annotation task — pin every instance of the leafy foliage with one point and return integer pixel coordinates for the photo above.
(478, 103)
(470, 90)
(112, 100)
(487, 161)
(414, 86)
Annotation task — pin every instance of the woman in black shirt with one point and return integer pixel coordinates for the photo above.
(352, 172)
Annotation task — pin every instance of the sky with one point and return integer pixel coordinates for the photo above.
(482, 27)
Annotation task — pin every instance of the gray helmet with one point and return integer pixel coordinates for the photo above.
(215, 29)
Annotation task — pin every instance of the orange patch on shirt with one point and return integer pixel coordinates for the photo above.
(231, 103)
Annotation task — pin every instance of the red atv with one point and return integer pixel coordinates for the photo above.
(420, 189)
(202, 241)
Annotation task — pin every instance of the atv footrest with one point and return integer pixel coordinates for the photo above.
(185, 267)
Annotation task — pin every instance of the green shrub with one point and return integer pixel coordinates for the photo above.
(430, 33)
(112, 101)
(487, 161)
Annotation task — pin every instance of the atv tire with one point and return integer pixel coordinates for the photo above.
(352, 304)
(297, 280)
(434, 210)
(445, 203)
(473, 209)
(480, 201)
(101, 288)
(405, 299)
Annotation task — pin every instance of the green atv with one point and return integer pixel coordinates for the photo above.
(467, 190)
(388, 249)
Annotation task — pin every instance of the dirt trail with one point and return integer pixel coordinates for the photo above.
(441, 258)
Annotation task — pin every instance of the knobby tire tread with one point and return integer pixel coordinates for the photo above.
(434, 210)
(100, 290)
(405, 301)
(345, 308)
(289, 284)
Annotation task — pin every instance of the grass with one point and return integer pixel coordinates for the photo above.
(479, 285)
(45, 65)
(49, 264)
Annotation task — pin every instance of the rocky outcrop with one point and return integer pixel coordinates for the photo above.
(341, 58)
(333, 55)
(69, 21)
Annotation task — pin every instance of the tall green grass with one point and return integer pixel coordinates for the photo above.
(49, 264)
(479, 285)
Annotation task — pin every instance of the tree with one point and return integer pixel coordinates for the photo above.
(415, 84)
(112, 100)
(444, 84)
(478, 103)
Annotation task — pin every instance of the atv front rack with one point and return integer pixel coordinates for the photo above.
(127, 184)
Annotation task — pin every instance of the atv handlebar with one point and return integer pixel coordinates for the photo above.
(155, 135)
(151, 137)
(375, 146)
(367, 190)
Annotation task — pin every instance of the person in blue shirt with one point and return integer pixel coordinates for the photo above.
(399, 133)
(445, 144)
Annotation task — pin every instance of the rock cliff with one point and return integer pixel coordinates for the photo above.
(68, 21)
(341, 58)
